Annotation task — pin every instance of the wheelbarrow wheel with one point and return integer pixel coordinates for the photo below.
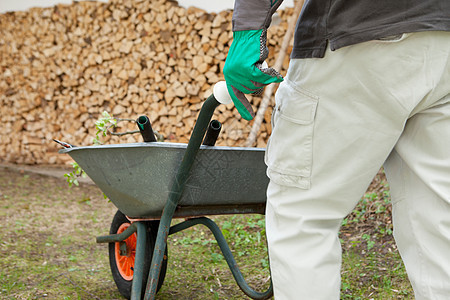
(121, 260)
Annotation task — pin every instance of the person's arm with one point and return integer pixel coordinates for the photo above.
(243, 71)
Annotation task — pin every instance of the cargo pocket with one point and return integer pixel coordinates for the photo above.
(289, 150)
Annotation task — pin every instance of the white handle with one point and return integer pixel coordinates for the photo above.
(220, 92)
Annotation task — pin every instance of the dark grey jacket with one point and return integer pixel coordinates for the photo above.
(345, 22)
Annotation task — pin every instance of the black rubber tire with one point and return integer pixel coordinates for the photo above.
(123, 285)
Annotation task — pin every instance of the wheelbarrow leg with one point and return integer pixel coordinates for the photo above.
(138, 272)
(176, 191)
(228, 255)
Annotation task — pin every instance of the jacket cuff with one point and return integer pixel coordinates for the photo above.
(253, 14)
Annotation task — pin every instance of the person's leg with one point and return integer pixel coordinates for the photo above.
(421, 228)
(336, 121)
(418, 171)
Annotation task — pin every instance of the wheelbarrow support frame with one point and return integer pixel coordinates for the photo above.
(226, 253)
(138, 271)
(165, 229)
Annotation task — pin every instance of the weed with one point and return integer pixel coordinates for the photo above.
(368, 239)
(72, 177)
(216, 257)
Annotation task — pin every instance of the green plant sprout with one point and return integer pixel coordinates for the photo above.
(106, 122)
(72, 177)
(104, 127)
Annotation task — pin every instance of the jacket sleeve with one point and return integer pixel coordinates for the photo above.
(253, 14)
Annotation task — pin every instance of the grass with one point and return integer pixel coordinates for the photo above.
(48, 249)
(365, 277)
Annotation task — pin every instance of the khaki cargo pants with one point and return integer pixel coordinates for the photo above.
(337, 120)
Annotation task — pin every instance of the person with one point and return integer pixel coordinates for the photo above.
(368, 84)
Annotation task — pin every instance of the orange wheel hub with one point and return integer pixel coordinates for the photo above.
(125, 263)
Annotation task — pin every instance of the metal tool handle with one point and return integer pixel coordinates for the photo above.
(145, 127)
(212, 133)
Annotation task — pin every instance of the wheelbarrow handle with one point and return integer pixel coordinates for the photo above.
(219, 96)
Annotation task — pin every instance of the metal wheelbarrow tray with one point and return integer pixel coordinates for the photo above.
(152, 183)
(137, 178)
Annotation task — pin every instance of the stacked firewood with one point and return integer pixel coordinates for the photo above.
(61, 67)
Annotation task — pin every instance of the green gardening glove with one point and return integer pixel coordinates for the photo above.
(244, 72)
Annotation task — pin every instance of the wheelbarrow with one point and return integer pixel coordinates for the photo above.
(152, 182)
